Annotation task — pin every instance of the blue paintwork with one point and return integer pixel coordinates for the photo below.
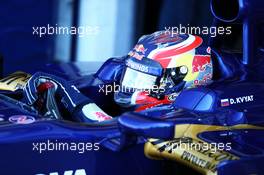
(189, 108)
(17, 140)
(158, 122)
(250, 14)
(121, 150)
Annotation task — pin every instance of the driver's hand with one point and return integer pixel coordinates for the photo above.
(80, 107)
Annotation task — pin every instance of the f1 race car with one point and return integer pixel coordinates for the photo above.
(57, 122)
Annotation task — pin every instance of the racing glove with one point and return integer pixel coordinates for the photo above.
(81, 108)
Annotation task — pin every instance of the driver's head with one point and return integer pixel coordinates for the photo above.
(166, 61)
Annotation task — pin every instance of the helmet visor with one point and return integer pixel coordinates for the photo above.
(135, 80)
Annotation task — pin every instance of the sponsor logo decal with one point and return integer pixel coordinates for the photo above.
(102, 116)
(197, 153)
(139, 67)
(237, 100)
(172, 97)
(200, 62)
(14, 81)
(68, 172)
(206, 79)
(140, 48)
(208, 50)
(22, 119)
(138, 52)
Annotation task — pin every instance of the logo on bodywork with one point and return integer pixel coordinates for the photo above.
(21, 119)
(196, 153)
(14, 81)
(68, 172)
(238, 100)
(101, 116)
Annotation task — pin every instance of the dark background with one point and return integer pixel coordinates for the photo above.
(23, 51)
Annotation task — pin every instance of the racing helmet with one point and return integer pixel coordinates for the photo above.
(165, 62)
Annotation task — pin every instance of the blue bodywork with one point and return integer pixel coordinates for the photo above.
(228, 110)
(202, 106)
(122, 139)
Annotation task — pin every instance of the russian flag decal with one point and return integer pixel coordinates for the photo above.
(224, 102)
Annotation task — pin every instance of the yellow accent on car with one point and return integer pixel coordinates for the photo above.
(14, 81)
(203, 161)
